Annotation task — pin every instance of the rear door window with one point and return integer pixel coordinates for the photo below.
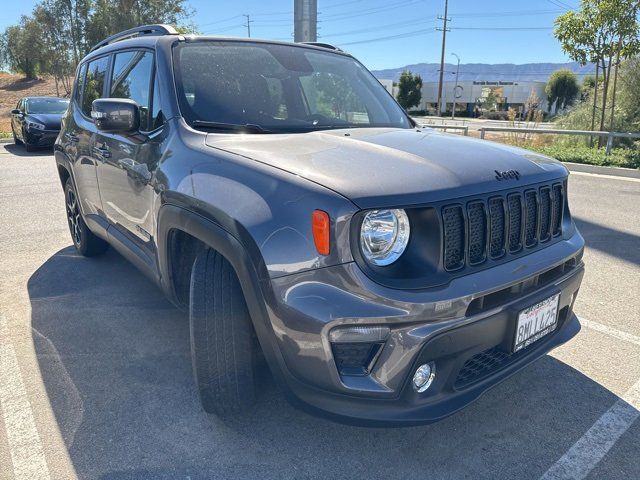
(94, 83)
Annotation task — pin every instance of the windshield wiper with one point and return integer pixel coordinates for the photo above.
(229, 127)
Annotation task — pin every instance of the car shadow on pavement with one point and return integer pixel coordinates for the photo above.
(114, 359)
(20, 151)
(622, 245)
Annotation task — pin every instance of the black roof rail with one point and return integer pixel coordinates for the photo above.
(323, 45)
(156, 30)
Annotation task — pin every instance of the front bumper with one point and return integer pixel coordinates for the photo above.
(41, 138)
(466, 328)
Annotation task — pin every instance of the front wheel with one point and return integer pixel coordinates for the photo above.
(223, 350)
(16, 140)
(86, 242)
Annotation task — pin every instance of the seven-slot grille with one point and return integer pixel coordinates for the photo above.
(501, 224)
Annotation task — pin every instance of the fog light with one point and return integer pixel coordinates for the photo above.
(423, 378)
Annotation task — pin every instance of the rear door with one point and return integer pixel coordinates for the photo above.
(128, 161)
(79, 136)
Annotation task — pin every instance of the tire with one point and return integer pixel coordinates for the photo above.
(27, 147)
(15, 139)
(223, 348)
(86, 242)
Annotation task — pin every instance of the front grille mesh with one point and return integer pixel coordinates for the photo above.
(488, 229)
(545, 214)
(453, 220)
(481, 364)
(530, 218)
(477, 232)
(498, 224)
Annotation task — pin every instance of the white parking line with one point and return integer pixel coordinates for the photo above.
(610, 177)
(26, 451)
(587, 452)
(614, 332)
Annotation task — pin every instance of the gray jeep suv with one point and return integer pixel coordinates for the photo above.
(388, 274)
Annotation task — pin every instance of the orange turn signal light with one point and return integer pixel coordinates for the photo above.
(320, 225)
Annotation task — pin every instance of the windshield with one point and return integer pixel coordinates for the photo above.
(278, 88)
(46, 105)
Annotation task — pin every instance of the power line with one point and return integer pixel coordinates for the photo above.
(501, 28)
(522, 13)
(220, 21)
(390, 37)
(420, 21)
(367, 11)
(225, 29)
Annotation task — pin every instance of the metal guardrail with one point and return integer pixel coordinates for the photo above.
(449, 127)
(585, 133)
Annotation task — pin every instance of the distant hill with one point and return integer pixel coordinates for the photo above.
(484, 71)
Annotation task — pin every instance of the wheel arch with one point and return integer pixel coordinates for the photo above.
(249, 268)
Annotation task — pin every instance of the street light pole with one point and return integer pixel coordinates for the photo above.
(455, 89)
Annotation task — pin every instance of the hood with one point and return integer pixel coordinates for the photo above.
(394, 167)
(51, 121)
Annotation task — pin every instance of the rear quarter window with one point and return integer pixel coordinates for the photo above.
(82, 72)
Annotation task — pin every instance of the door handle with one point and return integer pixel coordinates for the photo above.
(71, 137)
(102, 152)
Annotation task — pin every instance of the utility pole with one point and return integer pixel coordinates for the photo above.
(455, 89)
(444, 41)
(248, 25)
(305, 20)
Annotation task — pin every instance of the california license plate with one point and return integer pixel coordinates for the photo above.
(536, 321)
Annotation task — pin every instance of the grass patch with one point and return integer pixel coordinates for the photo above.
(6, 135)
(619, 157)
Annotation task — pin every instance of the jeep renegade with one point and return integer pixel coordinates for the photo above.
(388, 274)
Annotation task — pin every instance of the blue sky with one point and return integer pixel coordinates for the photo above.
(391, 33)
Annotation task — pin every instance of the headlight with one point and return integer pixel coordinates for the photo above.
(37, 126)
(384, 235)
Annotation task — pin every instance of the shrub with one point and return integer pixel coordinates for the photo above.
(619, 157)
(495, 115)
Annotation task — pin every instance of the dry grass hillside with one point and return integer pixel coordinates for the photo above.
(13, 88)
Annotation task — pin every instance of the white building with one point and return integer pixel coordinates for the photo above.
(486, 94)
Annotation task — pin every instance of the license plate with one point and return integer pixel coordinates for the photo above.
(536, 321)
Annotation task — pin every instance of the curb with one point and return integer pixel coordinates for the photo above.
(599, 170)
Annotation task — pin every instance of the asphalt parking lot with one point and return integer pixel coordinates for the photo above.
(95, 377)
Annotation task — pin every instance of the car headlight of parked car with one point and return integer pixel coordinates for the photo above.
(384, 235)
(35, 125)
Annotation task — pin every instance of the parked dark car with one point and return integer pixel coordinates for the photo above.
(388, 274)
(35, 121)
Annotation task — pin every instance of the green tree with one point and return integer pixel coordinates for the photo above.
(562, 89)
(112, 16)
(601, 31)
(53, 40)
(409, 90)
(21, 48)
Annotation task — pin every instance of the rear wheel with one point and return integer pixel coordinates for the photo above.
(223, 348)
(85, 241)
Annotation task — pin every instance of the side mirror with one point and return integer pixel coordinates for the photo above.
(116, 115)
(16, 111)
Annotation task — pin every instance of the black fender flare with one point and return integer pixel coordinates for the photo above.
(252, 275)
